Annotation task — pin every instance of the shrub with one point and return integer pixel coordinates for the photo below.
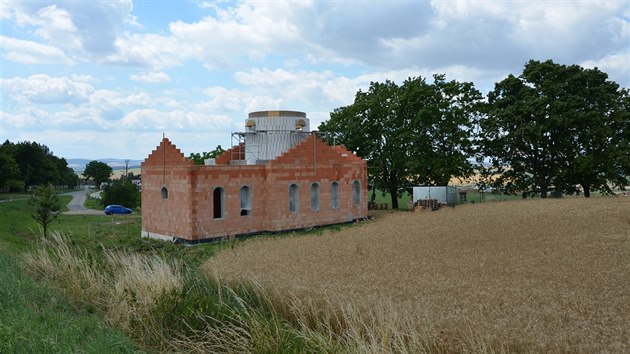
(46, 206)
(122, 192)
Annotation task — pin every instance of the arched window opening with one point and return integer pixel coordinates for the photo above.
(356, 193)
(246, 201)
(164, 193)
(314, 196)
(217, 202)
(293, 198)
(334, 195)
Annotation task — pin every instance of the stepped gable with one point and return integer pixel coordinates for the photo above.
(238, 151)
(166, 154)
(315, 148)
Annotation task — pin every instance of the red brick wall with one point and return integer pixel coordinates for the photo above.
(166, 167)
(235, 152)
(188, 211)
(230, 179)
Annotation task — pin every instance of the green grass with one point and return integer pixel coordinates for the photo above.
(93, 203)
(37, 319)
(385, 198)
(18, 232)
(474, 196)
(17, 228)
(11, 196)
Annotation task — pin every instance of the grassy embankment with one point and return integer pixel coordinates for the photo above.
(34, 318)
(149, 290)
(45, 316)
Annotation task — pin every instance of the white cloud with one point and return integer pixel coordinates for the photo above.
(152, 119)
(7, 10)
(106, 99)
(55, 25)
(223, 99)
(237, 33)
(145, 50)
(308, 55)
(85, 30)
(44, 89)
(20, 120)
(29, 52)
(500, 35)
(151, 77)
(133, 21)
(617, 66)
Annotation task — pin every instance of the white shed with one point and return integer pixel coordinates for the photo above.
(443, 194)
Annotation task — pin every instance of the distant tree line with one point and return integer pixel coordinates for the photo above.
(26, 164)
(554, 128)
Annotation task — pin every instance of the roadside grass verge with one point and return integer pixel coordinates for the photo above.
(36, 319)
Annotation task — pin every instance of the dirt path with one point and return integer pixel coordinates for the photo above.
(75, 207)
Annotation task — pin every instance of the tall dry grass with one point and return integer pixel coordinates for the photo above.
(124, 287)
(523, 276)
(168, 310)
(164, 308)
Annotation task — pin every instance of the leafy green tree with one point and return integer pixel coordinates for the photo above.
(555, 127)
(9, 170)
(441, 116)
(36, 166)
(371, 128)
(98, 171)
(199, 158)
(47, 207)
(418, 132)
(66, 175)
(122, 192)
(598, 118)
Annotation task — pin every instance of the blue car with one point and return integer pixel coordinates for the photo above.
(117, 209)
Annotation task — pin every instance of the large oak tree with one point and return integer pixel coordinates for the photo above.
(555, 127)
(98, 171)
(415, 133)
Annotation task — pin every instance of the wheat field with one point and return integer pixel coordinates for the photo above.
(522, 276)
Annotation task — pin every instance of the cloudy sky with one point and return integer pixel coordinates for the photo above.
(98, 79)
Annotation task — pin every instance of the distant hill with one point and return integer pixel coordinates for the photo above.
(78, 165)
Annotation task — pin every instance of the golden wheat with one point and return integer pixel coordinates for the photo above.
(535, 275)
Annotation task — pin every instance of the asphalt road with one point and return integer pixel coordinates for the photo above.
(75, 207)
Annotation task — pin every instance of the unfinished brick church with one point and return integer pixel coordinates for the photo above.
(278, 176)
